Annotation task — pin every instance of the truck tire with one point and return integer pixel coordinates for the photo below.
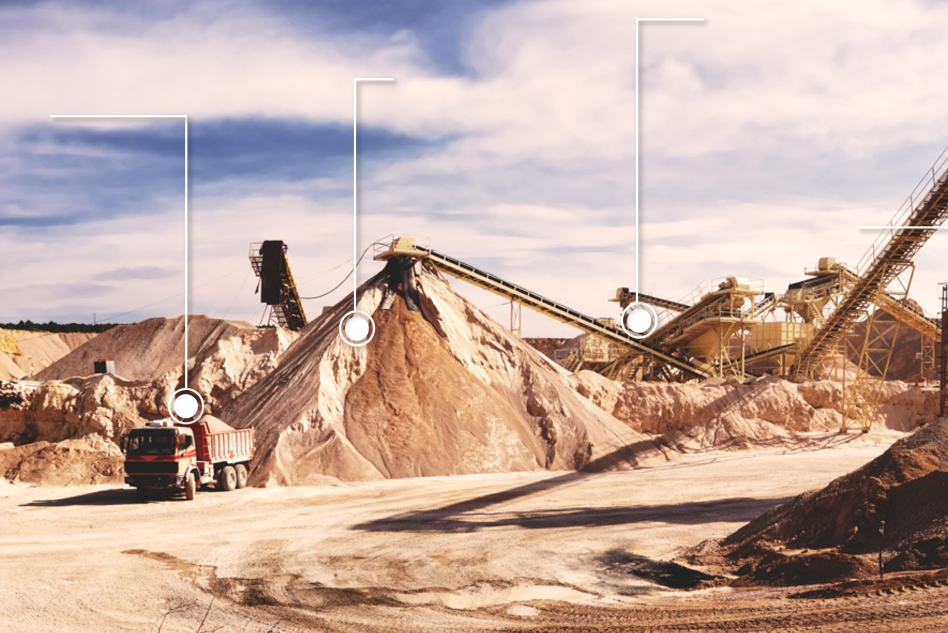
(242, 475)
(190, 487)
(142, 493)
(227, 480)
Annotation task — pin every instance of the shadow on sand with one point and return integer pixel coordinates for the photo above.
(470, 515)
(110, 497)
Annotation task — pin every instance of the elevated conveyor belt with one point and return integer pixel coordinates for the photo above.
(675, 329)
(277, 288)
(884, 262)
(767, 353)
(624, 297)
(492, 283)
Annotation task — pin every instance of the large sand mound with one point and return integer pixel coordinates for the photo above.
(834, 533)
(23, 354)
(442, 391)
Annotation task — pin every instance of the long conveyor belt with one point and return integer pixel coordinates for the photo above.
(558, 311)
(927, 207)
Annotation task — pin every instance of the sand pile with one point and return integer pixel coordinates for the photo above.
(442, 391)
(226, 367)
(226, 357)
(26, 353)
(728, 414)
(548, 346)
(146, 350)
(89, 459)
(67, 433)
(82, 415)
(833, 534)
(53, 411)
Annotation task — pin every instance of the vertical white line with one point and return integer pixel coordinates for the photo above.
(186, 251)
(639, 20)
(355, 192)
(355, 183)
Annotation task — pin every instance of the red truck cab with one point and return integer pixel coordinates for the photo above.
(165, 456)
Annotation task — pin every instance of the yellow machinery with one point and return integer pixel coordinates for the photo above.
(725, 329)
(712, 329)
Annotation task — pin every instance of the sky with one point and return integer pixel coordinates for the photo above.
(507, 139)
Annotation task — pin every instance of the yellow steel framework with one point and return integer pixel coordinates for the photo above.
(911, 227)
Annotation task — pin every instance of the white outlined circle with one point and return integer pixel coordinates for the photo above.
(186, 405)
(366, 328)
(194, 397)
(356, 328)
(638, 313)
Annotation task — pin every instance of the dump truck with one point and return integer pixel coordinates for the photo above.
(164, 456)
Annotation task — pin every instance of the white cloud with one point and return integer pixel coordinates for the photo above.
(763, 132)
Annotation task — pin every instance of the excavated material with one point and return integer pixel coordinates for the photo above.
(442, 391)
(834, 534)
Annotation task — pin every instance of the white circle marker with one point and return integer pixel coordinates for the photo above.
(638, 320)
(356, 328)
(186, 406)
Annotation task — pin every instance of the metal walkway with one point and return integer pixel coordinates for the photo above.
(558, 311)
(885, 260)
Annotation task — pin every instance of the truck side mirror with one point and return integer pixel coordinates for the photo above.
(123, 444)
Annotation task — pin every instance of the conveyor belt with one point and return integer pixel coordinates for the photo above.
(624, 297)
(277, 288)
(926, 207)
(767, 353)
(558, 311)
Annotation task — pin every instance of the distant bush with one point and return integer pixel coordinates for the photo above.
(58, 328)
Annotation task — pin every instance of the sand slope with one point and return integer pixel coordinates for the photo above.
(833, 534)
(441, 391)
(728, 414)
(26, 353)
(146, 350)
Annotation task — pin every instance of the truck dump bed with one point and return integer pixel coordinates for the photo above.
(216, 441)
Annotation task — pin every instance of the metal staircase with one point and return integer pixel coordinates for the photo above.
(277, 288)
(911, 227)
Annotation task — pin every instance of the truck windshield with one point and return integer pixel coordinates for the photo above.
(158, 442)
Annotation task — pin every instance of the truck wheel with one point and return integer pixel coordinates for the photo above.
(241, 475)
(190, 487)
(227, 480)
(142, 493)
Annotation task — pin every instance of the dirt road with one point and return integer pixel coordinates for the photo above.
(481, 553)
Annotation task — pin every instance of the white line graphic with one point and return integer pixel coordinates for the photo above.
(186, 251)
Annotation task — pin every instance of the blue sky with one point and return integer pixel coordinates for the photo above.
(507, 139)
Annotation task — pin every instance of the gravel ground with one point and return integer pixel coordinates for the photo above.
(523, 551)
